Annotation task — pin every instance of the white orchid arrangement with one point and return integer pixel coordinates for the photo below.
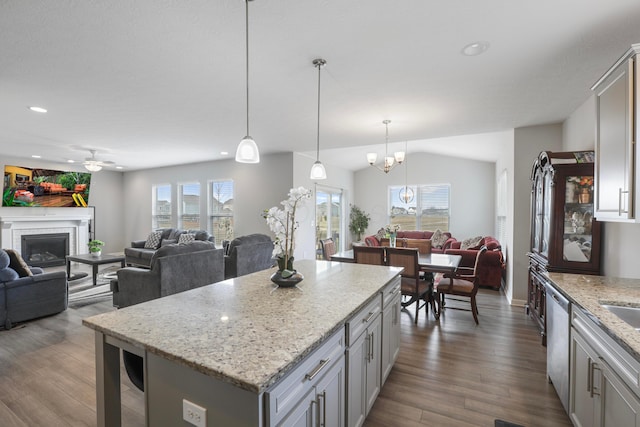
(283, 224)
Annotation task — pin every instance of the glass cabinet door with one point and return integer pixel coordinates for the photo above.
(536, 234)
(546, 217)
(578, 219)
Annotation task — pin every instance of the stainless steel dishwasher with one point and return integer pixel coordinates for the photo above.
(558, 326)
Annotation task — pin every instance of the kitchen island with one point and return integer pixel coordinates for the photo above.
(234, 347)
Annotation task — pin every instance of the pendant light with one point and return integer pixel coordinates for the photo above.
(406, 194)
(389, 164)
(317, 170)
(247, 151)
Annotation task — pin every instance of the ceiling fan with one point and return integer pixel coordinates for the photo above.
(94, 165)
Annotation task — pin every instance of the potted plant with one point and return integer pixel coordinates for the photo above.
(95, 247)
(358, 221)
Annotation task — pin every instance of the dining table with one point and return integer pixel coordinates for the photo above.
(429, 263)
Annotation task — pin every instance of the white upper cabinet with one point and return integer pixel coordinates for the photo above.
(616, 188)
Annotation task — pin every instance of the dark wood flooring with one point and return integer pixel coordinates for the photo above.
(451, 373)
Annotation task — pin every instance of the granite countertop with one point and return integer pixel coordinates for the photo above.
(245, 331)
(589, 292)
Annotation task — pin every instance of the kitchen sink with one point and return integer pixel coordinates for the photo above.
(630, 315)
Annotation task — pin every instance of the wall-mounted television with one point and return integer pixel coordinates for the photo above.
(45, 187)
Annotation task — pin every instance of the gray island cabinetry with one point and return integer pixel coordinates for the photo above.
(248, 354)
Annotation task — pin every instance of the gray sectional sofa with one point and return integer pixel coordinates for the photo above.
(138, 255)
(173, 268)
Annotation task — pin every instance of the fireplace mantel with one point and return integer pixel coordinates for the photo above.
(16, 222)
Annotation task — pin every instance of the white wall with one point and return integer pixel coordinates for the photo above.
(257, 187)
(105, 196)
(620, 241)
(472, 191)
(337, 178)
(528, 143)
(506, 163)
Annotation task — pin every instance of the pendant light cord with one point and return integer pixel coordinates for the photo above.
(318, 132)
(247, 57)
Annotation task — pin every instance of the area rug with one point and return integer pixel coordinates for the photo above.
(82, 292)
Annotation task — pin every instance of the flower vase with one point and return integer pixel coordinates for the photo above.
(286, 277)
(96, 254)
(584, 196)
(286, 282)
(392, 240)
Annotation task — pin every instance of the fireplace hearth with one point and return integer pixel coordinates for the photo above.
(45, 250)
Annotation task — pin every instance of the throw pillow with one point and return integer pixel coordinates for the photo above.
(471, 242)
(18, 264)
(8, 275)
(381, 234)
(153, 240)
(438, 239)
(186, 238)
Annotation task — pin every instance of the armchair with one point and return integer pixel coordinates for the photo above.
(35, 294)
(248, 254)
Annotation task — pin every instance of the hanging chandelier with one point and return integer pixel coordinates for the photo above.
(389, 162)
(317, 170)
(247, 151)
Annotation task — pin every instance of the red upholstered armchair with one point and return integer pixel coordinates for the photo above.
(491, 265)
(414, 235)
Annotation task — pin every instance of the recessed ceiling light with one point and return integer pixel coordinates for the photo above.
(38, 109)
(70, 161)
(35, 156)
(224, 153)
(475, 48)
(118, 167)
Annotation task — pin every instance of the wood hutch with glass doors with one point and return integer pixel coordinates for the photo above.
(565, 237)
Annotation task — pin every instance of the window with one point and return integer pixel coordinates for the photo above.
(420, 207)
(161, 207)
(329, 218)
(190, 206)
(221, 210)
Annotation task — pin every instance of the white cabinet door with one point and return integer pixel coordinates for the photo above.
(357, 380)
(373, 361)
(390, 335)
(619, 406)
(581, 401)
(304, 413)
(330, 395)
(614, 198)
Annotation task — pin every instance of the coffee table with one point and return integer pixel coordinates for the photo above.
(94, 261)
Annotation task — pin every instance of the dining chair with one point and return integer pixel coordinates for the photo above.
(411, 284)
(369, 255)
(461, 285)
(328, 248)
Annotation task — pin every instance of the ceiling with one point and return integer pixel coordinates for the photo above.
(151, 83)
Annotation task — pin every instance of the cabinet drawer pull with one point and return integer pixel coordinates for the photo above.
(594, 367)
(369, 317)
(372, 346)
(396, 290)
(311, 375)
(323, 421)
